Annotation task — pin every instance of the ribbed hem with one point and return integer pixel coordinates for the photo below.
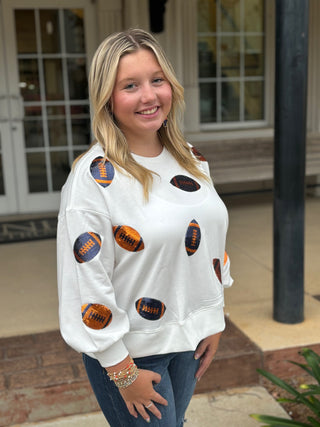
(175, 337)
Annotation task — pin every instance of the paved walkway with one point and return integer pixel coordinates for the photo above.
(29, 317)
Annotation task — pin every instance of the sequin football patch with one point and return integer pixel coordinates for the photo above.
(102, 171)
(128, 238)
(217, 268)
(198, 155)
(185, 183)
(96, 316)
(86, 246)
(193, 237)
(150, 308)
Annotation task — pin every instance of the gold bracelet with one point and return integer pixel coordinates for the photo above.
(126, 376)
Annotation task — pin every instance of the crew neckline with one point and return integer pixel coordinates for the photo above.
(151, 159)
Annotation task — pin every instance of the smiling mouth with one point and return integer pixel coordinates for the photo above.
(148, 112)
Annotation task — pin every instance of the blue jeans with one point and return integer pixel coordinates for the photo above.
(177, 384)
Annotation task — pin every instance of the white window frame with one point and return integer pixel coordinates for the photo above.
(268, 81)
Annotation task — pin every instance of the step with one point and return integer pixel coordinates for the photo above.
(41, 378)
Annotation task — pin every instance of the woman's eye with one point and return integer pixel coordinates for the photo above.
(158, 80)
(130, 86)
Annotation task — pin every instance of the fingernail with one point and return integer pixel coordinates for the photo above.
(198, 379)
(196, 356)
(148, 420)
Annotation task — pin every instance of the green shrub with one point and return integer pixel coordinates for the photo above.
(307, 397)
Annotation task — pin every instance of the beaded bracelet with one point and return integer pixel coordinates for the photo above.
(126, 376)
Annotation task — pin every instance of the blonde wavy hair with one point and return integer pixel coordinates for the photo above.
(102, 78)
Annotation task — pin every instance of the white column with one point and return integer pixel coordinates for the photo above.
(136, 14)
(188, 13)
(110, 17)
(313, 106)
(270, 31)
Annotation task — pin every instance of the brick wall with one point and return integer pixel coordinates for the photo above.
(42, 378)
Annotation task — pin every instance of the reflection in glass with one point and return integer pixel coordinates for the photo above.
(74, 30)
(207, 16)
(57, 132)
(230, 56)
(230, 16)
(33, 133)
(1, 176)
(77, 153)
(25, 31)
(29, 79)
(53, 79)
(254, 56)
(230, 103)
(254, 95)
(60, 168)
(207, 56)
(79, 109)
(56, 110)
(50, 31)
(81, 131)
(253, 16)
(208, 108)
(34, 110)
(37, 176)
(77, 78)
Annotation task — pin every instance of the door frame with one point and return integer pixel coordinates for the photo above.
(16, 178)
(8, 201)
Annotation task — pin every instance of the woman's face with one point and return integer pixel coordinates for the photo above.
(142, 96)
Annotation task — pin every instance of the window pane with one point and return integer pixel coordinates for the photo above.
(207, 56)
(80, 109)
(60, 168)
(230, 109)
(33, 133)
(77, 153)
(254, 56)
(36, 164)
(230, 56)
(25, 31)
(254, 95)
(35, 110)
(56, 110)
(50, 31)
(74, 31)
(81, 131)
(53, 79)
(77, 78)
(29, 79)
(207, 16)
(57, 132)
(253, 13)
(208, 108)
(230, 16)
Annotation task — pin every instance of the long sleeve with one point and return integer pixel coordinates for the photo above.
(90, 319)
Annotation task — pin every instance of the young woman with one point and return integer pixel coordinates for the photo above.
(141, 242)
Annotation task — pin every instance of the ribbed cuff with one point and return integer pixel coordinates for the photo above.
(115, 354)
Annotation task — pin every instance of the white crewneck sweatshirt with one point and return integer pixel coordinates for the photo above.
(139, 277)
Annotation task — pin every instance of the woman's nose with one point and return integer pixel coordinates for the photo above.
(148, 93)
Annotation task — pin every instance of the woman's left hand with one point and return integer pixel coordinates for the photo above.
(205, 351)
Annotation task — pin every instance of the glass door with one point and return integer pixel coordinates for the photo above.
(47, 72)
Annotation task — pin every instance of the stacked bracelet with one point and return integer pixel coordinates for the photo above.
(126, 376)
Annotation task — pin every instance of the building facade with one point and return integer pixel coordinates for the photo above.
(222, 50)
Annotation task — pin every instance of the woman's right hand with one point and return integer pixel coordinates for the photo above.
(140, 396)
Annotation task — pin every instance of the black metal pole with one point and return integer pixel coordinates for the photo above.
(289, 163)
